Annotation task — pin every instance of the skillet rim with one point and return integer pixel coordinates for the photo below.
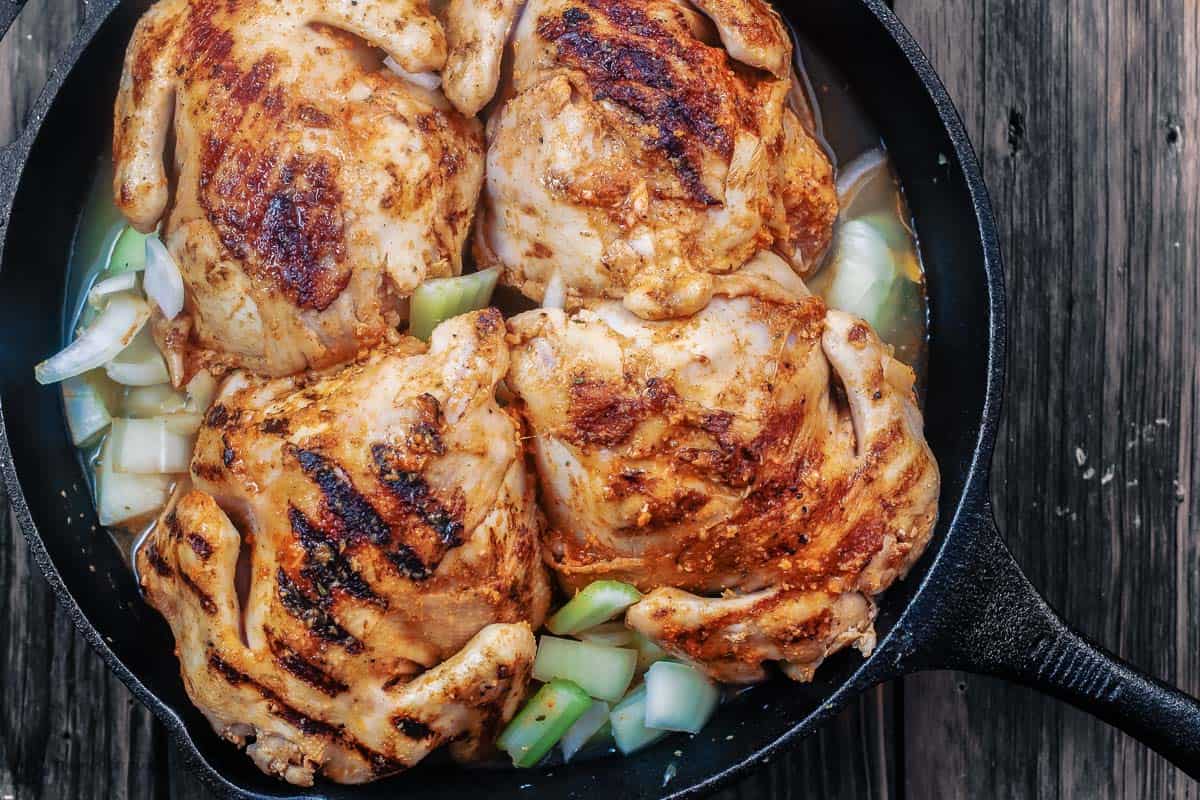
(889, 658)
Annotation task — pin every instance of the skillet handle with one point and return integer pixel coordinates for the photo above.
(989, 619)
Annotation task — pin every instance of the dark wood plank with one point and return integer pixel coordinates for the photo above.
(1087, 118)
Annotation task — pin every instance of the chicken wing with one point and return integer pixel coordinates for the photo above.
(311, 189)
(384, 534)
(759, 468)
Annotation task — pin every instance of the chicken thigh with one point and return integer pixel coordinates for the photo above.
(640, 148)
(389, 574)
(758, 468)
(312, 189)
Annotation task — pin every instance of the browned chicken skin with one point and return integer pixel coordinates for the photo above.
(311, 191)
(640, 148)
(393, 567)
(759, 468)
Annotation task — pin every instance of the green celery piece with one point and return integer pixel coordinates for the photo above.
(629, 723)
(679, 697)
(601, 671)
(542, 722)
(599, 602)
(129, 252)
(439, 299)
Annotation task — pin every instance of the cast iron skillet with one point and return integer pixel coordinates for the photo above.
(965, 605)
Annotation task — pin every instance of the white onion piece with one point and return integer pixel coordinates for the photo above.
(139, 364)
(584, 729)
(184, 423)
(121, 497)
(149, 447)
(163, 282)
(555, 295)
(863, 271)
(87, 411)
(124, 282)
(679, 697)
(856, 174)
(151, 401)
(201, 390)
(112, 331)
(426, 80)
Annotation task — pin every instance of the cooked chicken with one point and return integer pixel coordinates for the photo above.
(633, 156)
(312, 189)
(759, 468)
(390, 573)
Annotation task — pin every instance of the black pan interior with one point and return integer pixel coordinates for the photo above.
(137, 642)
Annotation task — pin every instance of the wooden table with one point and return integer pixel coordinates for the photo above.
(1086, 117)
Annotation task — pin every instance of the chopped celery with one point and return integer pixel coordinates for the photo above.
(121, 497)
(603, 672)
(599, 602)
(129, 252)
(87, 399)
(584, 729)
(148, 446)
(542, 722)
(648, 652)
(629, 723)
(613, 634)
(442, 298)
(139, 364)
(679, 697)
(151, 401)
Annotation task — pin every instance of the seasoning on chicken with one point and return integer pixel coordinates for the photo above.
(759, 469)
(311, 188)
(641, 148)
(389, 571)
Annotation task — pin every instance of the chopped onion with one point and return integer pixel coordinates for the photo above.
(587, 726)
(440, 299)
(862, 271)
(201, 390)
(599, 602)
(856, 174)
(112, 331)
(603, 672)
(613, 634)
(555, 295)
(629, 723)
(163, 281)
(86, 406)
(149, 446)
(121, 496)
(543, 721)
(426, 80)
(185, 424)
(679, 697)
(139, 364)
(124, 282)
(151, 401)
(128, 253)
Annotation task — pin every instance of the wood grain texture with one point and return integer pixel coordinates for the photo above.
(1086, 116)
(1087, 120)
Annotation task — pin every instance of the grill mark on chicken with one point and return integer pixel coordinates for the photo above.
(415, 496)
(157, 561)
(326, 568)
(412, 728)
(199, 545)
(291, 661)
(636, 71)
(284, 210)
(405, 559)
(217, 416)
(306, 724)
(312, 612)
(601, 415)
(202, 597)
(356, 517)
